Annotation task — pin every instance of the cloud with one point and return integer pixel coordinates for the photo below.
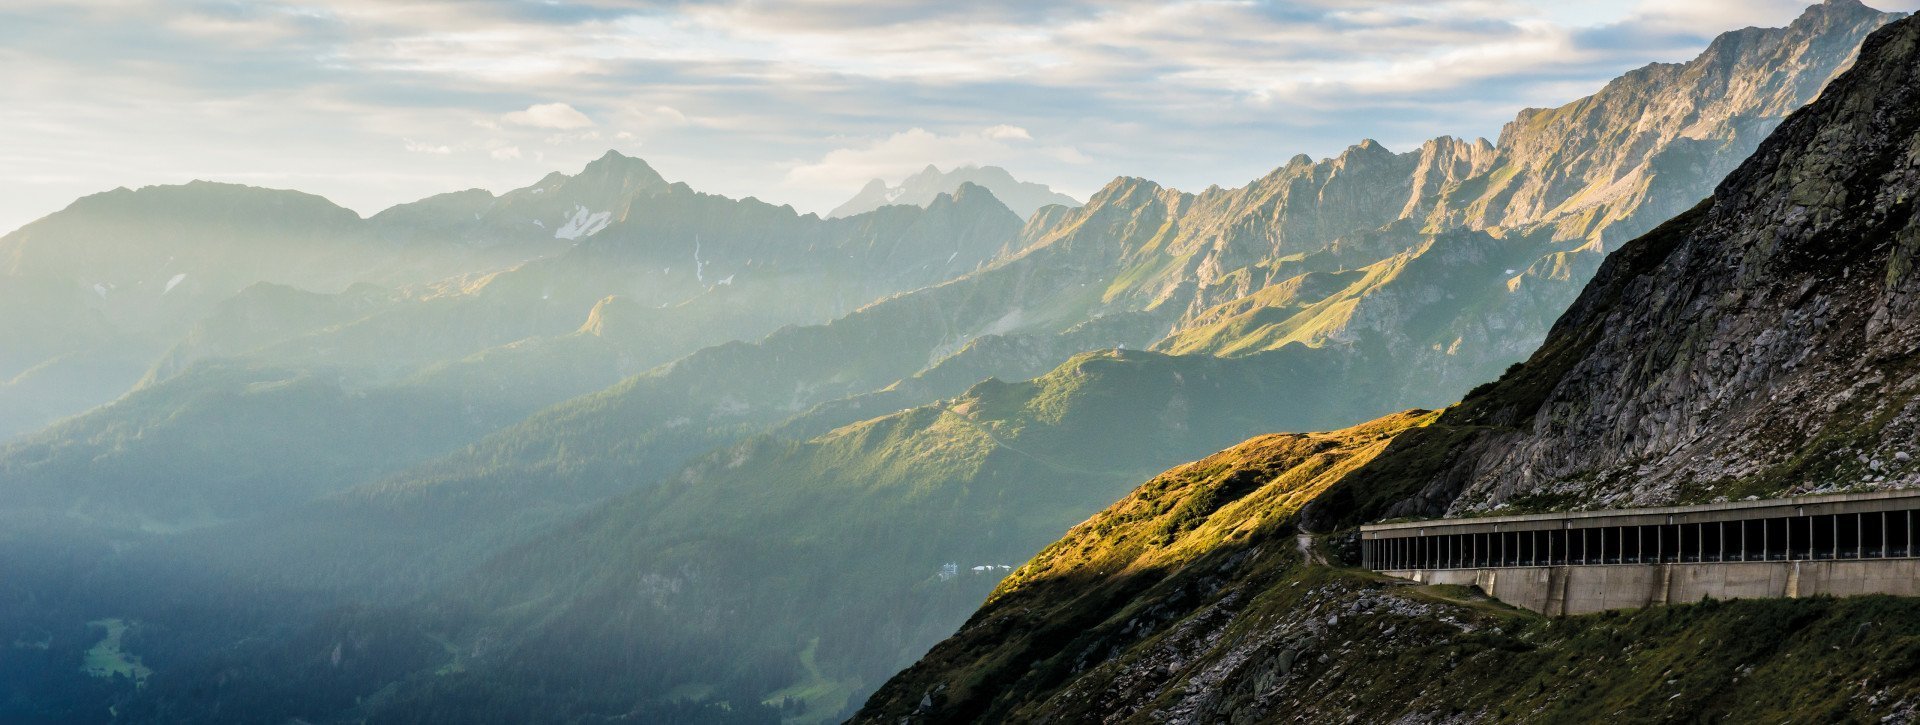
(425, 148)
(1711, 17)
(549, 115)
(1067, 155)
(657, 116)
(908, 151)
(787, 101)
(1005, 132)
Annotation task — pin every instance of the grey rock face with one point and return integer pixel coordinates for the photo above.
(1772, 349)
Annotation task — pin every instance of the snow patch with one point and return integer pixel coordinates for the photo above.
(175, 282)
(728, 280)
(539, 223)
(100, 289)
(584, 223)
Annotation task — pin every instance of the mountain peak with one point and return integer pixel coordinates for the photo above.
(967, 190)
(967, 195)
(1367, 150)
(1829, 6)
(920, 189)
(614, 162)
(201, 196)
(1124, 188)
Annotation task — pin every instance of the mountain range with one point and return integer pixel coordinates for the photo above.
(606, 446)
(920, 189)
(1762, 343)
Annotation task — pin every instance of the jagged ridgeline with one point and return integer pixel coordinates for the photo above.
(768, 522)
(920, 189)
(279, 322)
(736, 519)
(1765, 342)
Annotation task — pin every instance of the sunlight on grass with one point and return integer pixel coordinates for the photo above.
(107, 659)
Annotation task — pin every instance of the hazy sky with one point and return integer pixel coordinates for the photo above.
(374, 102)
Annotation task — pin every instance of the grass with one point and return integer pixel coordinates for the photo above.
(456, 664)
(825, 699)
(1470, 598)
(107, 660)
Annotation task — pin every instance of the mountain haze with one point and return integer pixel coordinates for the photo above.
(675, 271)
(920, 189)
(608, 447)
(1327, 292)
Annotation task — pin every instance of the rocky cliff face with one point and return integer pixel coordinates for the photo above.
(1586, 166)
(1572, 179)
(1772, 350)
(1761, 343)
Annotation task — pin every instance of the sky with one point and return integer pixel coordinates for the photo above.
(376, 102)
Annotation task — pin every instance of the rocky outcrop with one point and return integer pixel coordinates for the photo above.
(1596, 162)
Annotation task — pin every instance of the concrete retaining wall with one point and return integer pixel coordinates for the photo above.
(1556, 590)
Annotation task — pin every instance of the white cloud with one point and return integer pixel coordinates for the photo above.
(655, 117)
(549, 115)
(1715, 16)
(794, 102)
(911, 150)
(559, 139)
(426, 148)
(1068, 155)
(1004, 132)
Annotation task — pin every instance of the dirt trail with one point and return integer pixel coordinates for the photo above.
(1305, 541)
